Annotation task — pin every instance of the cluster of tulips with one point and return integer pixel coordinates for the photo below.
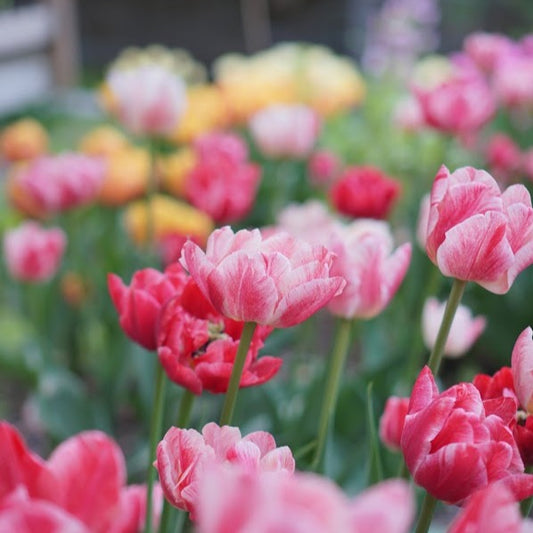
(207, 301)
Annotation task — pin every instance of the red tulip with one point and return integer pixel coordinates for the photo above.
(276, 281)
(140, 304)
(197, 346)
(468, 213)
(364, 192)
(183, 455)
(454, 444)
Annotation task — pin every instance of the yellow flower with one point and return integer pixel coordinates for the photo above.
(207, 110)
(127, 175)
(173, 170)
(103, 140)
(22, 140)
(170, 216)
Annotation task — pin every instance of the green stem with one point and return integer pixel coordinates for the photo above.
(426, 513)
(155, 435)
(182, 420)
(151, 189)
(452, 304)
(235, 380)
(338, 359)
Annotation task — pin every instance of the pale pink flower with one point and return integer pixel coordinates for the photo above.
(464, 331)
(513, 81)
(423, 218)
(408, 115)
(275, 281)
(61, 182)
(372, 269)
(477, 233)
(285, 130)
(236, 501)
(486, 49)
(33, 253)
(522, 369)
(184, 454)
(149, 99)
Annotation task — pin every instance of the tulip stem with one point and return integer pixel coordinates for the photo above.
(338, 358)
(155, 435)
(426, 513)
(236, 373)
(182, 420)
(452, 304)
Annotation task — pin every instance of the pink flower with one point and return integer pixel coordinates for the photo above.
(82, 486)
(197, 346)
(364, 192)
(140, 304)
(32, 252)
(464, 331)
(285, 130)
(486, 49)
(454, 444)
(503, 156)
(408, 115)
(392, 420)
(149, 99)
(236, 501)
(60, 182)
(477, 233)
(423, 218)
(372, 270)
(460, 105)
(323, 167)
(513, 81)
(184, 454)
(522, 368)
(222, 183)
(491, 510)
(276, 281)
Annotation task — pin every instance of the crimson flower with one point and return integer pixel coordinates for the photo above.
(197, 346)
(364, 192)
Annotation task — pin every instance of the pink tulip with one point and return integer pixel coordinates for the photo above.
(408, 115)
(491, 510)
(464, 331)
(323, 167)
(503, 156)
(459, 106)
(149, 99)
(60, 182)
(32, 252)
(139, 305)
(392, 421)
(81, 486)
(236, 501)
(486, 49)
(522, 368)
(454, 444)
(184, 454)
(277, 281)
(468, 213)
(423, 218)
(373, 271)
(513, 81)
(285, 130)
(220, 145)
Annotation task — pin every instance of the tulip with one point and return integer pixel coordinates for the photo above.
(139, 304)
(323, 167)
(285, 130)
(149, 99)
(454, 444)
(491, 510)
(184, 454)
(32, 252)
(231, 499)
(392, 421)
(513, 81)
(522, 369)
(486, 49)
(372, 270)
(197, 346)
(277, 281)
(23, 140)
(464, 331)
(469, 213)
(504, 156)
(364, 192)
